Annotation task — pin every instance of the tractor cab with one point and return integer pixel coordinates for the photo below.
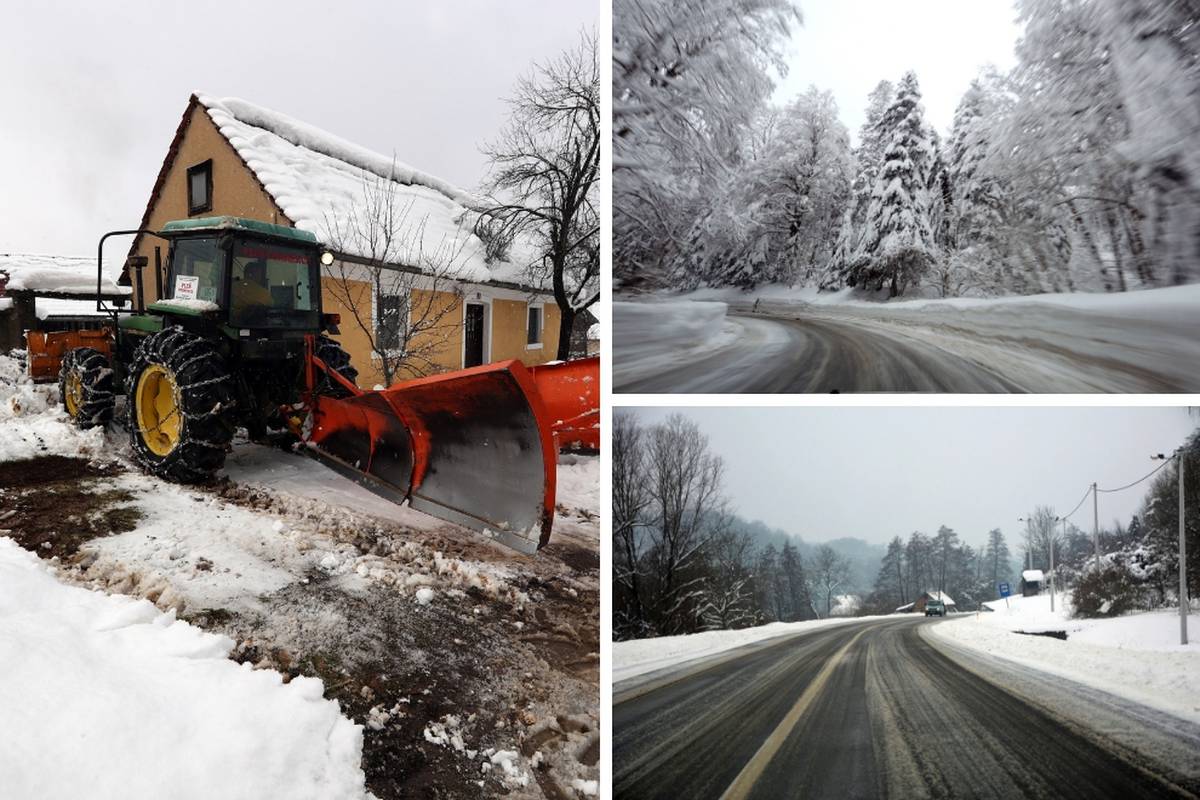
(250, 276)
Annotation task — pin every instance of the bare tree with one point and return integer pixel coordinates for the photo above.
(544, 182)
(630, 501)
(829, 572)
(686, 485)
(730, 591)
(402, 292)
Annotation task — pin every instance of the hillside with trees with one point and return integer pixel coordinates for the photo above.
(1076, 170)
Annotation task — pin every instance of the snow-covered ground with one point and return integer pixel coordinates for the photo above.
(687, 328)
(1136, 656)
(107, 697)
(1144, 341)
(639, 656)
(410, 622)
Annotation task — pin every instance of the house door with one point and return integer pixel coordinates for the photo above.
(473, 333)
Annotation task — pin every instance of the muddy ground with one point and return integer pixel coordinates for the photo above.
(435, 686)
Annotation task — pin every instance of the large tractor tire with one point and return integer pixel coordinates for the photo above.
(329, 351)
(85, 383)
(181, 401)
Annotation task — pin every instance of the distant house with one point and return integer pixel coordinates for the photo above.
(231, 157)
(918, 605)
(1031, 582)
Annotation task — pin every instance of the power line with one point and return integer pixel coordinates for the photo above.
(1077, 505)
(1139, 480)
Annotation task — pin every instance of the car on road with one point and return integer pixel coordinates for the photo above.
(935, 607)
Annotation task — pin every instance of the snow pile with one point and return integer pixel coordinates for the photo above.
(32, 422)
(64, 274)
(577, 483)
(105, 697)
(316, 178)
(1137, 656)
(188, 305)
(639, 656)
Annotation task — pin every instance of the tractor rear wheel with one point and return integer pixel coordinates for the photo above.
(181, 401)
(337, 359)
(85, 383)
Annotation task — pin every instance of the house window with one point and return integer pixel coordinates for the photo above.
(199, 186)
(533, 338)
(389, 321)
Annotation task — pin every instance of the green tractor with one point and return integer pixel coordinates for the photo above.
(237, 339)
(223, 347)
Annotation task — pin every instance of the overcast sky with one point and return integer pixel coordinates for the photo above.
(875, 473)
(92, 92)
(848, 46)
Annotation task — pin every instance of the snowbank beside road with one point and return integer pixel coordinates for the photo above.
(639, 656)
(1137, 657)
(685, 327)
(105, 697)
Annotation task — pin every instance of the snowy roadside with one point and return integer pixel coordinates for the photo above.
(640, 656)
(1137, 657)
(101, 683)
(473, 670)
(686, 328)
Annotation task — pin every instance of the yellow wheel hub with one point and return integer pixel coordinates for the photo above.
(74, 394)
(159, 416)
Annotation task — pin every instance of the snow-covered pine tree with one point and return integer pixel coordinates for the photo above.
(901, 246)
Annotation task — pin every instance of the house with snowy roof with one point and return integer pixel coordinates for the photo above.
(232, 157)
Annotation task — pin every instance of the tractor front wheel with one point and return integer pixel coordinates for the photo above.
(181, 401)
(85, 383)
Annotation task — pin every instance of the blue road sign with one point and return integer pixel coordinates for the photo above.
(1005, 591)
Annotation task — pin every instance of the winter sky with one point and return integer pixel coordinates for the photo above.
(92, 92)
(848, 46)
(875, 473)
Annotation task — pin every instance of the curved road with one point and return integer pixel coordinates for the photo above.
(815, 355)
(875, 709)
(781, 347)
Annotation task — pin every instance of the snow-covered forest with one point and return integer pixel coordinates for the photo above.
(1076, 170)
(684, 562)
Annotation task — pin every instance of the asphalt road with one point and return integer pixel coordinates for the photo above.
(796, 348)
(872, 710)
(817, 355)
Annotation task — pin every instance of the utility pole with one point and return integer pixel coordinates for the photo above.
(1096, 525)
(1183, 598)
(1052, 562)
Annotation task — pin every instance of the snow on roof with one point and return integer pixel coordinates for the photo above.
(63, 274)
(945, 598)
(1032, 576)
(905, 607)
(316, 178)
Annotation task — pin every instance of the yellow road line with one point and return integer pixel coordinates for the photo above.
(744, 782)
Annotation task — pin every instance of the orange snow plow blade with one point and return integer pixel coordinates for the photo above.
(571, 393)
(471, 447)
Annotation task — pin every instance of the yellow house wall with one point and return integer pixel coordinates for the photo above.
(509, 335)
(235, 191)
(447, 337)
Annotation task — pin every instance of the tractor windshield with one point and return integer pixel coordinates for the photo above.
(273, 286)
(198, 271)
